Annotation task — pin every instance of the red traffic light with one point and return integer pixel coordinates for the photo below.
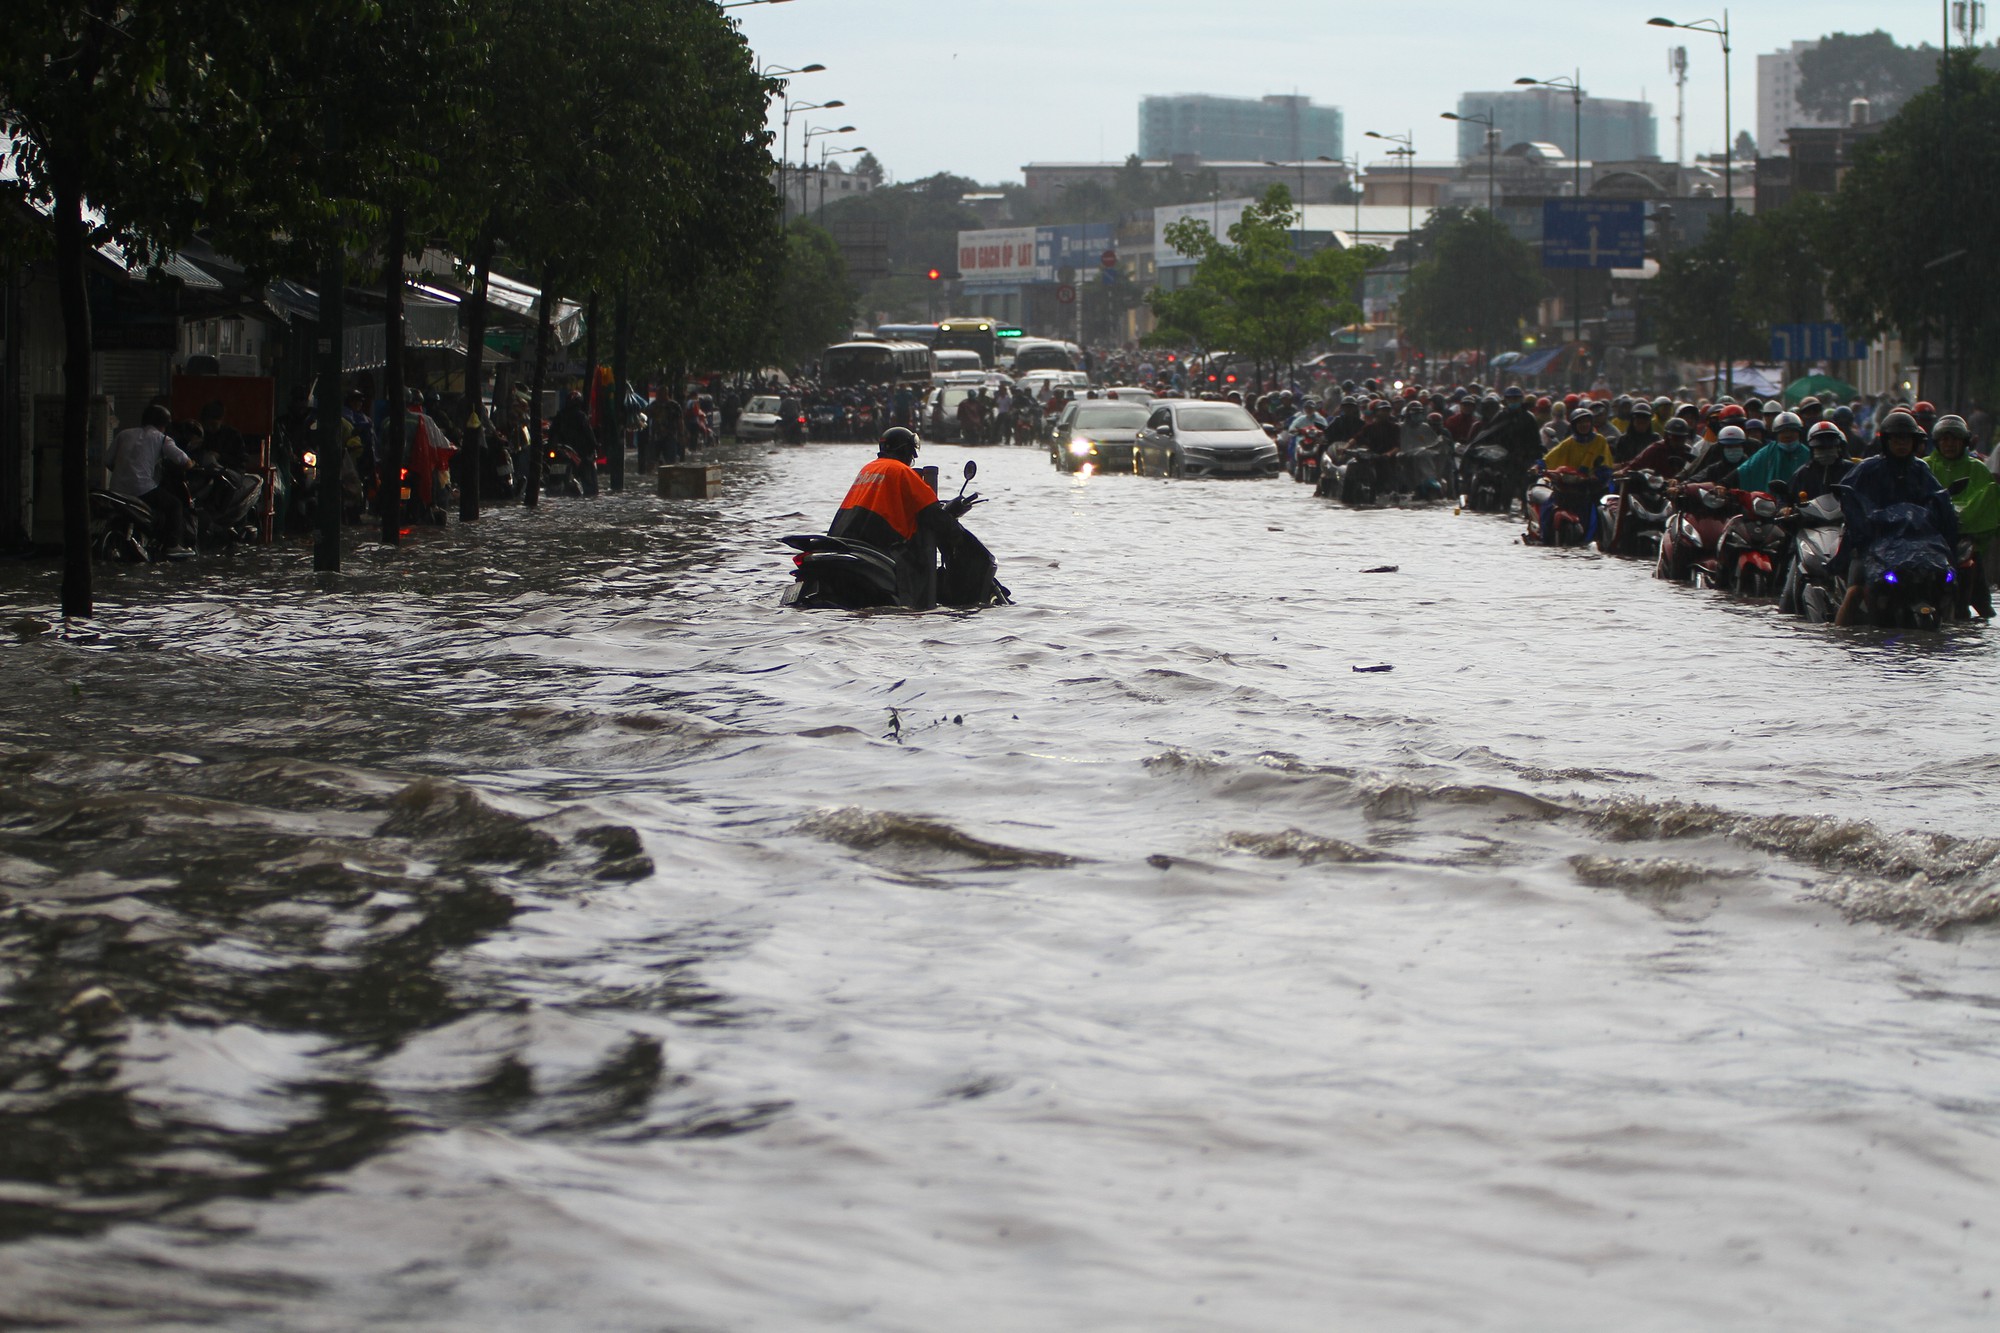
(935, 274)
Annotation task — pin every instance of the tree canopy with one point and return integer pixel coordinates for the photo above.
(1474, 286)
(1254, 293)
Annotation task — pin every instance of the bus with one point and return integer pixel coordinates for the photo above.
(972, 335)
(876, 361)
(1041, 354)
(908, 333)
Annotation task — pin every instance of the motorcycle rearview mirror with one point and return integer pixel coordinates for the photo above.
(972, 468)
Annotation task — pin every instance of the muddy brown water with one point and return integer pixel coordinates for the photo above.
(538, 928)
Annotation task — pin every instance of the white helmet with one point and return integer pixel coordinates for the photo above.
(1731, 435)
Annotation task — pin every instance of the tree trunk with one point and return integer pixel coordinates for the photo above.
(544, 318)
(332, 342)
(591, 365)
(473, 446)
(71, 249)
(621, 336)
(390, 453)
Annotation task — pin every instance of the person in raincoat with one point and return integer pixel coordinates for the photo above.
(1896, 476)
(1771, 466)
(1977, 502)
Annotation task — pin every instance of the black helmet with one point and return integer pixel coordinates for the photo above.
(1899, 423)
(1678, 426)
(1641, 408)
(899, 442)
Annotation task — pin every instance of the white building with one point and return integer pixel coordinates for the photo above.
(1778, 100)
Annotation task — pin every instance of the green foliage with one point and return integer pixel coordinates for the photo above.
(1255, 294)
(1916, 248)
(1474, 286)
(815, 305)
(1845, 66)
(1775, 271)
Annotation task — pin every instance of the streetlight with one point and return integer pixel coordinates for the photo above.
(781, 73)
(1299, 235)
(1405, 149)
(805, 155)
(1574, 87)
(1492, 144)
(1721, 29)
(824, 154)
(785, 143)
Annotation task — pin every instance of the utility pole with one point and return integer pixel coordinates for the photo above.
(1677, 65)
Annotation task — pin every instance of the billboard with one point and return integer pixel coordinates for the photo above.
(1593, 233)
(1219, 214)
(1004, 254)
(1076, 246)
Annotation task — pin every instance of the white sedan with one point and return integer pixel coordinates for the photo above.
(759, 419)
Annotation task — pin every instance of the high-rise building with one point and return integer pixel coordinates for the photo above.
(1778, 109)
(1238, 129)
(1613, 130)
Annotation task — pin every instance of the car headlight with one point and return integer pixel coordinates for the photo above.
(1081, 447)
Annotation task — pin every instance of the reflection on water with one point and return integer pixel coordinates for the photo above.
(536, 927)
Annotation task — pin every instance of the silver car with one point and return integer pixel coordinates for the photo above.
(759, 419)
(1197, 438)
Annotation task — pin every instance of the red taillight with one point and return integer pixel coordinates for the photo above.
(403, 475)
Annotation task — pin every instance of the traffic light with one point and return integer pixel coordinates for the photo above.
(935, 274)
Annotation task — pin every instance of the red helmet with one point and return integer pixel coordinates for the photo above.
(1924, 409)
(1541, 404)
(1409, 391)
(1572, 399)
(1733, 412)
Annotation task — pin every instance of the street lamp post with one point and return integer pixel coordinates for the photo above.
(1725, 370)
(1574, 87)
(785, 143)
(1298, 232)
(805, 156)
(783, 73)
(824, 154)
(1405, 149)
(1492, 145)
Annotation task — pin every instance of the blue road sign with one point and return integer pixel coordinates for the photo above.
(1824, 341)
(1593, 233)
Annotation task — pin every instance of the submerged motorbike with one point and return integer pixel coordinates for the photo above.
(1305, 454)
(955, 570)
(123, 528)
(1908, 570)
(1574, 495)
(1632, 519)
(1489, 479)
(1813, 586)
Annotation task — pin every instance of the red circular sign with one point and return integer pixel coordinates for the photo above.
(1066, 294)
(1109, 259)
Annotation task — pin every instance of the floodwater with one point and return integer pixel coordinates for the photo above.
(539, 929)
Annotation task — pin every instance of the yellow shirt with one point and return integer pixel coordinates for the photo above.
(1583, 455)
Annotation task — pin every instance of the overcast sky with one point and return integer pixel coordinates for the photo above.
(979, 87)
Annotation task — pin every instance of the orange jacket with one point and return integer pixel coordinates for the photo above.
(883, 503)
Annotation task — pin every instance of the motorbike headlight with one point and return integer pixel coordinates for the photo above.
(1890, 577)
(1081, 447)
(1764, 507)
(311, 460)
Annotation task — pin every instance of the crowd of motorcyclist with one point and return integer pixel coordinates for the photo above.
(1896, 470)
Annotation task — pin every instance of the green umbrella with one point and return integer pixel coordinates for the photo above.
(1819, 386)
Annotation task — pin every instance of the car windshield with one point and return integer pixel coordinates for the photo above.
(762, 405)
(1110, 416)
(1215, 416)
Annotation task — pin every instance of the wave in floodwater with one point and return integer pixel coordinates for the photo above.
(537, 927)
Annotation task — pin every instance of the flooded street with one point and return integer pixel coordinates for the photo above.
(541, 929)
